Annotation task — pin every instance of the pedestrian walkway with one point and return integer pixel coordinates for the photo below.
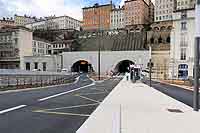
(137, 108)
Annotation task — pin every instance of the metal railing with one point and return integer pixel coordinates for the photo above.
(25, 79)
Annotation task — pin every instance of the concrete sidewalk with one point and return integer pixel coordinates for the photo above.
(137, 108)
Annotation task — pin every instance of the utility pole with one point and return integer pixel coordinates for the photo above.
(196, 59)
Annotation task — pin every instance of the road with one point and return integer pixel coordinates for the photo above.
(53, 110)
(180, 94)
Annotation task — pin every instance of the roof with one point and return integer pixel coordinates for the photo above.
(53, 19)
(96, 6)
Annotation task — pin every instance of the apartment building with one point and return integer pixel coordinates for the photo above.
(97, 17)
(6, 22)
(61, 22)
(164, 10)
(23, 20)
(182, 44)
(40, 46)
(15, 43)
(117, 18)
(184, 4)
(136, 12)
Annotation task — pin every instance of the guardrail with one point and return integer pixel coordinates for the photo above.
(27, 79)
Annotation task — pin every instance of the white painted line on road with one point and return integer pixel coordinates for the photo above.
(61, 113)
(70, 107)
(60, 94)
(11, 109)
(88, 98)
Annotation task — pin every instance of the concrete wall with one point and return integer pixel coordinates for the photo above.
(109, 59)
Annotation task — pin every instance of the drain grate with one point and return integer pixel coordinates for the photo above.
(175, 110)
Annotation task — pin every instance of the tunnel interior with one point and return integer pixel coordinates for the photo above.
(123, 66)
(82, 66)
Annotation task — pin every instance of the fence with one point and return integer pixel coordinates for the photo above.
(24, 79)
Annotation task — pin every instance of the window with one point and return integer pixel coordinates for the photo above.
(183, 25)
(35, 65)
(183, 53)
(44, 65)
(28, 66)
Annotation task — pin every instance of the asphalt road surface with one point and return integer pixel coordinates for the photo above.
(53, 110)
(180, 94)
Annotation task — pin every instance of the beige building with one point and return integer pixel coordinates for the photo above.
(23, 20)
(136, 12)
(15, 43)
(159, 38)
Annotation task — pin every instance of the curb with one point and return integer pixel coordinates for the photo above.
(183, 87)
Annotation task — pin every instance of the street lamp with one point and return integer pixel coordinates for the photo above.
(99, 40)
(150, 64)
(196, 60)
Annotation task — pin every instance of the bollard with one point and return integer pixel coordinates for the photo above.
(8, 81)
(17, 82)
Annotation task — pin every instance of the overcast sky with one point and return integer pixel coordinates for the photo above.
(41, 8)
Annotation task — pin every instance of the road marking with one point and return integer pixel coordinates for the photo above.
(99, 89)
(69, 107)
(87, 98)
(60, 94)
(93, 93)
(61, 113)
(11, 109)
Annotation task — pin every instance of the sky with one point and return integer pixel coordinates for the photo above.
(40, 8)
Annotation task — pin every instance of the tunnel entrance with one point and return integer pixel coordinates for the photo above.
(123, 66)
(82, 66)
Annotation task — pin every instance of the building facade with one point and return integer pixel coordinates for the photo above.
(15, 43)
(151, 12)
(62, 22)
(58, 47)
(40, 47)
(182, 44)
(97, 17)
(117, 18)
(48, 63)
(159, 39)
(184, 4)
(164, 10)
(23, 20)
(136, 12)
(6, 22)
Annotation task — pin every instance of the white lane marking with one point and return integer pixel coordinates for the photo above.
(77, 79)
(60, 94)
(61, 113)
(11, 109)
(88, 98)
(70, 107)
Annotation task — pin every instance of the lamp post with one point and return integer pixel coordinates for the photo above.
(150, 65)
(99, 47)
(196, 60)
(98, 33)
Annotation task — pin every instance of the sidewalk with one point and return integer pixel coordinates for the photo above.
(143, 110)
